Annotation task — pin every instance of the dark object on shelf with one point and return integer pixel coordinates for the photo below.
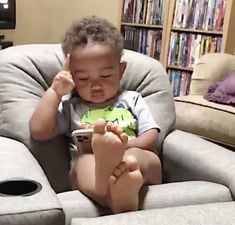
(2, 36)
(5, 44)
(8, 14)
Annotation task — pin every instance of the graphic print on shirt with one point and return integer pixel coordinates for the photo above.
(119, 115)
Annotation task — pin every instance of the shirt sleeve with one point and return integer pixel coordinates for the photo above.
(144, 116)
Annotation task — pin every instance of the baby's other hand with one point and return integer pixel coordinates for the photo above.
(85, 126)
(63, 82)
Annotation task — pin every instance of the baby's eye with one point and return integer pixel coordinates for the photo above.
(83, 78)
(106, 76)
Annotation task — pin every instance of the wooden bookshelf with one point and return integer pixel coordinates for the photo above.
(228, 33)
(188, 69)
(206, 38)
(228, 44)
(197, 31)
(222, 40)
(149, 26)
(146, 25)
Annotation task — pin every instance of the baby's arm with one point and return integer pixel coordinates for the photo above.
(43, 122)
(146, 140)
(148, 130)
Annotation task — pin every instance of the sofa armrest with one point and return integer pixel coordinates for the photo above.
(17, 206)
(189, 157)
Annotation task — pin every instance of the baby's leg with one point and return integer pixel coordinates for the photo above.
(82, 177)
(149, 164)
(144, 168)
(91, 172)
(125, 186)
(108, 148)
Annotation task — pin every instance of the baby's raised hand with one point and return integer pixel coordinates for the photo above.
(63, 82)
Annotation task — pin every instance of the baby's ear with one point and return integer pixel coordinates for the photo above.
(122, 68)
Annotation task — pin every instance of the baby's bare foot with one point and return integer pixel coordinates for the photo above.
(125, 186)
(108, 147)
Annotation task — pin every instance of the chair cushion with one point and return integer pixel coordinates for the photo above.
(210, 120)
(25, 73)
(75, 204)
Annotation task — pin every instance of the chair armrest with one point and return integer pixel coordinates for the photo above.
(42, 207)
(189, 157)
(205, 214)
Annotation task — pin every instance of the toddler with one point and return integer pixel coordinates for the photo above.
(121, 158)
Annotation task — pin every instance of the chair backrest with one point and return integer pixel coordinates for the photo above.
(27, 71)
(209, 69)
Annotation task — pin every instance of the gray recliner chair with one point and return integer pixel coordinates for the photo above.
(199, 176)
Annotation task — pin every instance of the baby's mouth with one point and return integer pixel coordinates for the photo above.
(97, 94)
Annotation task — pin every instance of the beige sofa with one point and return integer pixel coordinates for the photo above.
(215, 122)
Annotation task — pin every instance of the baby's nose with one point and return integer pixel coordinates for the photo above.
(96, 85)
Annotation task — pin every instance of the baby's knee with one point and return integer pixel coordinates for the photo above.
(95, 195)
(73, 179)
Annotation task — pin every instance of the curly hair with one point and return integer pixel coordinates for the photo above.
(94, 29)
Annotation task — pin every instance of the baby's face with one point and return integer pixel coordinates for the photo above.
(97, 71)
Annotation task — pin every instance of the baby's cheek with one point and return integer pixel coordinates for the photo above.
(80, 88)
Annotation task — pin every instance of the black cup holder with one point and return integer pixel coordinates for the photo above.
(19, 187)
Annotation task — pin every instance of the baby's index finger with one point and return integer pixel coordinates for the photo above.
(66, 66)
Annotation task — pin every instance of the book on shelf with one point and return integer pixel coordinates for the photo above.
(219, 14)
(199, 14)
(143, 12)
(143, 40)
(184, 83)
(180, 82)
(175, 77)
(127, 11)
(191, 47)
(138, 15)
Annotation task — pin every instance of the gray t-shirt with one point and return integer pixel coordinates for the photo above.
(128, 110)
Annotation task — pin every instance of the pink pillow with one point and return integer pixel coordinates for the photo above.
(222, 91)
